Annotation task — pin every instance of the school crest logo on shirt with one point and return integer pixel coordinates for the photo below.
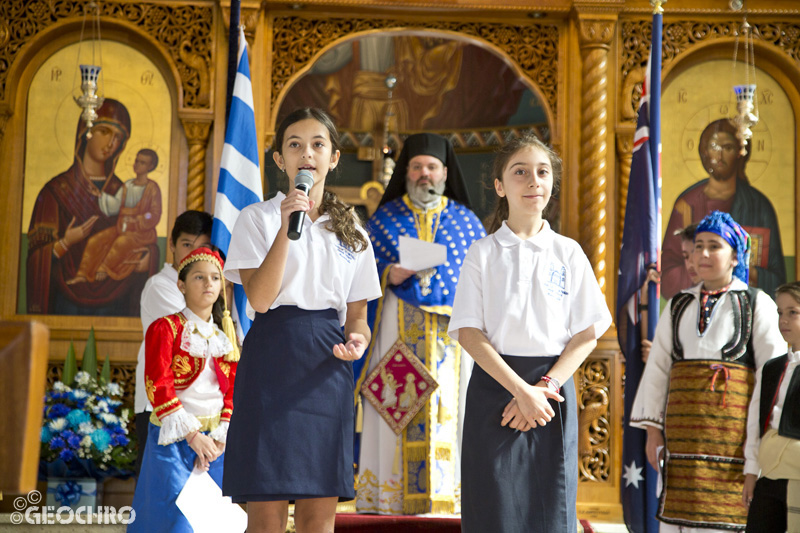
(555, 283)
(345, 252)
(399, 386)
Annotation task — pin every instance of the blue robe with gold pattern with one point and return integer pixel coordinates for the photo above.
(426, 481)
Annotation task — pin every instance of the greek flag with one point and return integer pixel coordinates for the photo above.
(240, 175)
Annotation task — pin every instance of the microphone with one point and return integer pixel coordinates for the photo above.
(303, 181)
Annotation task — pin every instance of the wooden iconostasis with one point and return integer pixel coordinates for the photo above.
(568, 70)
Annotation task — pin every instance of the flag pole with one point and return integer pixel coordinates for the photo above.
(655, 152)
(233, 53)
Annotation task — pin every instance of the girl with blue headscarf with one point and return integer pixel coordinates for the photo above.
(696, 389)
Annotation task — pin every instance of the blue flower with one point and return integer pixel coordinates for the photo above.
(72, 439)
(66, 455)
(76, 417)
(46, 434)
(57, 443)
(119, 440)
(58, 410)
(101, 439)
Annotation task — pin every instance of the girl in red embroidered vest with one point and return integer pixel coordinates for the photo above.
(190, 367)
(696, 388)
(774, 499)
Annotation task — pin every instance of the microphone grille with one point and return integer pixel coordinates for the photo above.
(304, 177)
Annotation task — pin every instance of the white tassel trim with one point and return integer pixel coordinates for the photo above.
(176, 426)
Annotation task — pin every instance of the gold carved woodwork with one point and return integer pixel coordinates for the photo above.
(248, 17)
(183, 31)
(595, 40)
(197, 132)
(680, 36)
(596, 33)
(4, 116)
(533, 47)
(631, 94)
(624, 160)
(594, 426)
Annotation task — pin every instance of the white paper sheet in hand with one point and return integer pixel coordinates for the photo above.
(207, 510)
(418, 255)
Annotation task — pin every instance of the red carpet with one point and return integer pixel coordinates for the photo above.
(360, 523)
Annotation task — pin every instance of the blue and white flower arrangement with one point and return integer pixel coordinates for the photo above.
(85, 426)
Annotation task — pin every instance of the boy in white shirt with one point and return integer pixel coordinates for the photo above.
(161, 297)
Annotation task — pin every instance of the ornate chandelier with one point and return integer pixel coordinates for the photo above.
(89, 98)
(746, 104)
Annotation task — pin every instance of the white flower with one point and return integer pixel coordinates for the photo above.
(82, 378)
(60, 387)
(101, 407)
(125, 413)
(108, 418)
(59, 424)
(80, 394)
(86, 428)
(114, 389)
(86, 442)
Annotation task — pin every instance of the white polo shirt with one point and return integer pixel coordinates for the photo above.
(160, 297)
(321, 272)
(529, 297)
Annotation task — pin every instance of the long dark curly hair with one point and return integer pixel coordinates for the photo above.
(343, 219)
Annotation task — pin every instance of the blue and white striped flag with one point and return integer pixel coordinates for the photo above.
(240, 175)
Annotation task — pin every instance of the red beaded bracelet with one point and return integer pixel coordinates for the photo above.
(552, 383)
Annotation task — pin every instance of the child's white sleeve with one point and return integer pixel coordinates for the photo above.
(365, 284)
(468, 301)
(588, 304)
(753, 438)
(651, 396)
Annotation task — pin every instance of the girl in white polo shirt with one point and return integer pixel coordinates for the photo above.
(528, 309)
(291, 435)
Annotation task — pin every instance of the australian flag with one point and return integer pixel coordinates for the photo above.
(239, 175)
(641, 250)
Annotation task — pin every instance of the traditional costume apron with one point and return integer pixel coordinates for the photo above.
(706, 425)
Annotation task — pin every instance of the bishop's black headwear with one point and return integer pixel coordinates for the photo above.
(435, 146)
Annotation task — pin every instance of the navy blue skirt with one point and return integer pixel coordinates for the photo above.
(512, 481)
(291, 433)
